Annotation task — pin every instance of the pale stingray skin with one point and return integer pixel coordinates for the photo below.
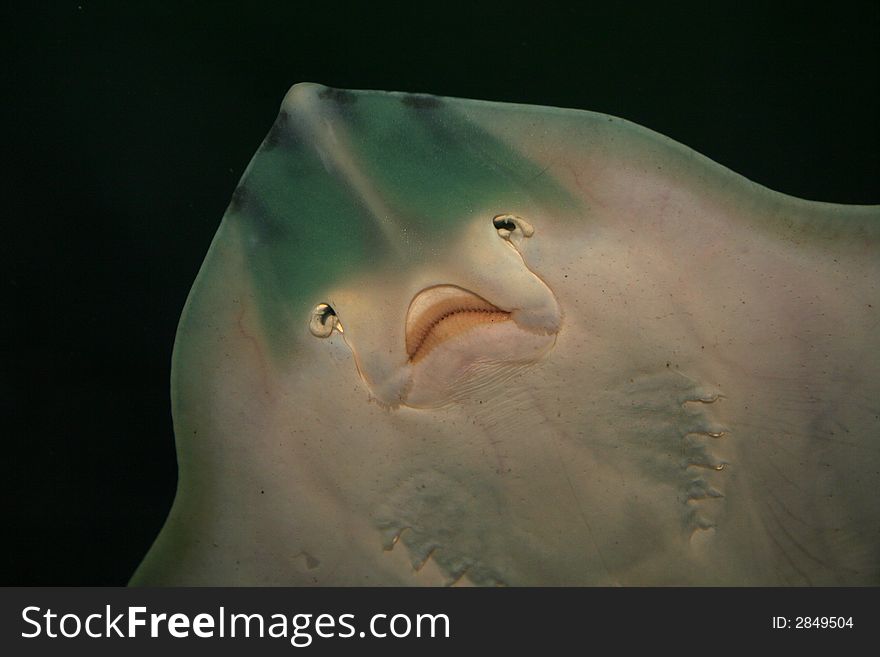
(688, 393)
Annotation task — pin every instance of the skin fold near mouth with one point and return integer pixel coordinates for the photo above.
(440, 313)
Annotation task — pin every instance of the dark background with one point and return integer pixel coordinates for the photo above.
(127, 128)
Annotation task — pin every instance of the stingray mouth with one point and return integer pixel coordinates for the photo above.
(443, 312)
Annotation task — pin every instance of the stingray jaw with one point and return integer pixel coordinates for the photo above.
(460, 344)
(445, 312)
(443, 343)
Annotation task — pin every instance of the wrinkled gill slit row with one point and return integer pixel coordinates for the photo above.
(440, 313)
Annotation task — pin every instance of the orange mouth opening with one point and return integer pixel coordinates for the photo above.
(440, 313)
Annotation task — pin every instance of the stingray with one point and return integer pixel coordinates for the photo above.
(446, 341)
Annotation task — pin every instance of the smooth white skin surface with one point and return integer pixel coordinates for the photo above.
(706, 323)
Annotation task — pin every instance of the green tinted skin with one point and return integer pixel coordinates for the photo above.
(305, 226)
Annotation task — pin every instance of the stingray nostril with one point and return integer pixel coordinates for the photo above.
(323, 321)
(503, 221)
(512, 228)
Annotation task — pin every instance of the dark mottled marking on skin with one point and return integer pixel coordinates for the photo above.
(239, 199)
(283, 134)
(257, 217)
(340, 96)
(421, 101)
(277, 133)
